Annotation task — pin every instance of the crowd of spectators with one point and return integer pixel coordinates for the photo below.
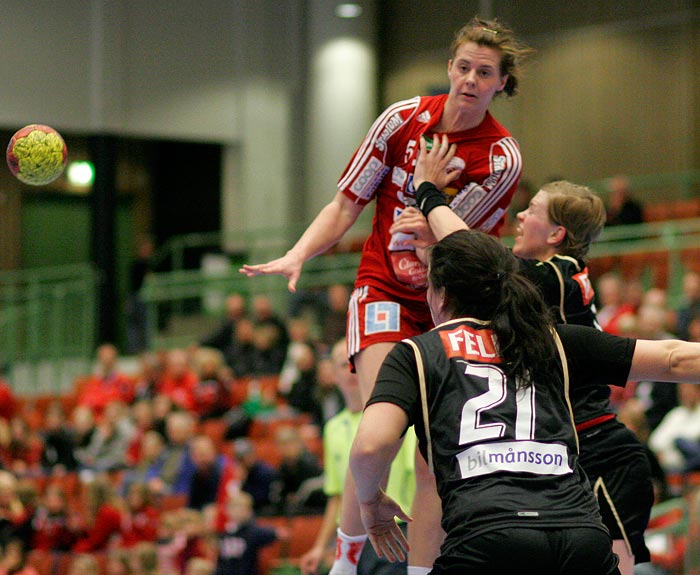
(159, 469)
(149, 470)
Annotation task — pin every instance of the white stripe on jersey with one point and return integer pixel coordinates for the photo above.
(367, 145)
(504, 183)
(353, 329)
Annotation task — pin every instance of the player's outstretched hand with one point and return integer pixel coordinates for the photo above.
(434, 165)
(288, 266)
(385, 535)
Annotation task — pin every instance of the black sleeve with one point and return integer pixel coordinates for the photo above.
(397, 381)
(595, 356)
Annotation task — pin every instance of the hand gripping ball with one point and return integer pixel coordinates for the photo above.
(37, 154)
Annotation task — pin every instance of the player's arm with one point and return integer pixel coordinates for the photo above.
(325, 230)
(431, 175)
(375, 446)
(666, 360)
(312, 558)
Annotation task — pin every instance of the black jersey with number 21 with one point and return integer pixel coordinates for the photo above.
(502, 455)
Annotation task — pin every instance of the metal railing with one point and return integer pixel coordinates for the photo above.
(47, 325)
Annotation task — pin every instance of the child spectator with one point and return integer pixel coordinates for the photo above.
(103, 518)
(139, 521)
(58, 451)
(83, 428)
(52, 521)
(242, 539)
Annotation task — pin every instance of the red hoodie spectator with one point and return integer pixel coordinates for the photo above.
(140, 520)
(52, 523)
(104, 517)
(179, 380)
(108, 384)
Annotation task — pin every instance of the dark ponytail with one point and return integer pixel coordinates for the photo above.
(481, 280)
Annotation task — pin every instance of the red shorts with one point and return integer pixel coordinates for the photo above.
(373, 317)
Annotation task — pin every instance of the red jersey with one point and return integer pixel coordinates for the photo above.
(382, 169)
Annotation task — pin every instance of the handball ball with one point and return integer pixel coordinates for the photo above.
(37, 154)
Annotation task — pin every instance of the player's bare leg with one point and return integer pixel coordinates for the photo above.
(351, 534)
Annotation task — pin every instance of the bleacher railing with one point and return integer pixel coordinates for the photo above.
(47, 325)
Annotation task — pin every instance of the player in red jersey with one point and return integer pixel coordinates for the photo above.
(388, 303)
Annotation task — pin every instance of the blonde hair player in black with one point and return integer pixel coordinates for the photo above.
(553, 236)
(487, 392)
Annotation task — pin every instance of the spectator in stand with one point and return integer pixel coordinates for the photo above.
(223, 337)
(136, 309)
(302, 396)
(622, 208)
(52, 521)
(29, 498)
(241, 357)
(103, 518)
(147, 468)
(149, 376)
(271, 338)
(212, 474)
(682, 422)
(143, 420)
(298, 467)
(20, 447)
(108, 383)
(257, 476)
(83, 428)
(163, 406)
(58, 451)
(14, 559)
(328, 396)
(180, 538)
(180, 429)
(212, 396)
(691, 303)
(242, 539)
(334, 316)
(140, 518)
(13, 513)
(179, 380)
(611, 305)
(658, 398)
(107, 450)
(300, 343)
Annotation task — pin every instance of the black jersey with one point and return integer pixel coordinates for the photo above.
(566, 288)
(502, 457)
